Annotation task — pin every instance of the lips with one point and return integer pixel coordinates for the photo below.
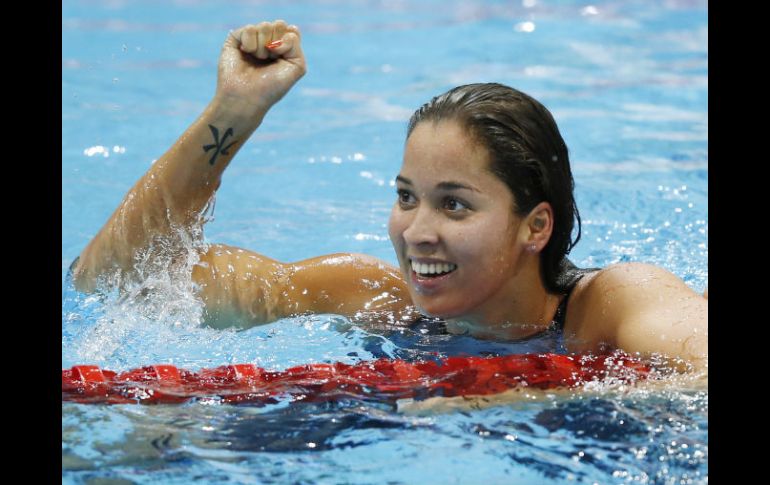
(429, 276)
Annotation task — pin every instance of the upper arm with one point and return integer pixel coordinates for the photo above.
(354, 285)
(645, 309)
(238, 287)
(242, 287)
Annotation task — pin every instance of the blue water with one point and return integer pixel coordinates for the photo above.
(626, 81)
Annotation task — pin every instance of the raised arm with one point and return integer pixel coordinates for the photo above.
(257, 67)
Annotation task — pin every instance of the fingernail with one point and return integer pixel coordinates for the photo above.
(274, 44)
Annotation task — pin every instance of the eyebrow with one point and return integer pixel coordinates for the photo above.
(449, 185)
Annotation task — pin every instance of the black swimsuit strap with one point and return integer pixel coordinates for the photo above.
(561, 312)
(568, 279)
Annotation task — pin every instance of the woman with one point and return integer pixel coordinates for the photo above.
(481, 226)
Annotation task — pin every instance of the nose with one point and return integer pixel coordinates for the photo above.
(422, 228)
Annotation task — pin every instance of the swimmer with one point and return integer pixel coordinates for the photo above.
(482, 225)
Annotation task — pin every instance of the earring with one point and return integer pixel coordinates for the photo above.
(532, 248)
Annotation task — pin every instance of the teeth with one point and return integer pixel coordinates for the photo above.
(433, 268)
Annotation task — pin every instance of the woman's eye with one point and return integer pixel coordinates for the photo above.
(404, 197)
(454, 205)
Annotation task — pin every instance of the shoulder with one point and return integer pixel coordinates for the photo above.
(636, 307)
(624, 289)
(629, 287)
(626, 279)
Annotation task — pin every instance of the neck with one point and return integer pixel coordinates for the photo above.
(521, 309)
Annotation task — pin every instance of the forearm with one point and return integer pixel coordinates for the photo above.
(186, 177)
(174, 191)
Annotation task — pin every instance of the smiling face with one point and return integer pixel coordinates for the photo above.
(453, 226)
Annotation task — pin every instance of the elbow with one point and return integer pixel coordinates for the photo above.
(82, 279)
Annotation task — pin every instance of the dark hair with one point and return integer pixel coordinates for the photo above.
(526, 151)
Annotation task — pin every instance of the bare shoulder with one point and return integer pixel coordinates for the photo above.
(639, 308)
(629, 278)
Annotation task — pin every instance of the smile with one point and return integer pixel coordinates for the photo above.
(432, 270)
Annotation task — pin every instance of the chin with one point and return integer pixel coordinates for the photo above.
(435, 309)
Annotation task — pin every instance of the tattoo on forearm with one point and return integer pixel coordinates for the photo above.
(217, 145)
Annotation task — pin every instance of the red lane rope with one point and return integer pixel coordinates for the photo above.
(387, 379)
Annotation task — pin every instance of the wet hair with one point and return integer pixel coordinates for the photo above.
(526, 152)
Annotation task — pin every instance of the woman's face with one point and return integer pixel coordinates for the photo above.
(453, 226)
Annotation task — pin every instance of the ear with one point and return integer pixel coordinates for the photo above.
(538, 226)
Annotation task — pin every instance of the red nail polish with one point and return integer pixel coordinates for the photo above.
(275, 44)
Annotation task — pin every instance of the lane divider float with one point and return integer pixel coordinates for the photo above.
(382, 379)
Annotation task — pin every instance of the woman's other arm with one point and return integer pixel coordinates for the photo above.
(641, 308)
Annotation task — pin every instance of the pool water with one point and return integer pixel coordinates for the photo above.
(627, 83)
